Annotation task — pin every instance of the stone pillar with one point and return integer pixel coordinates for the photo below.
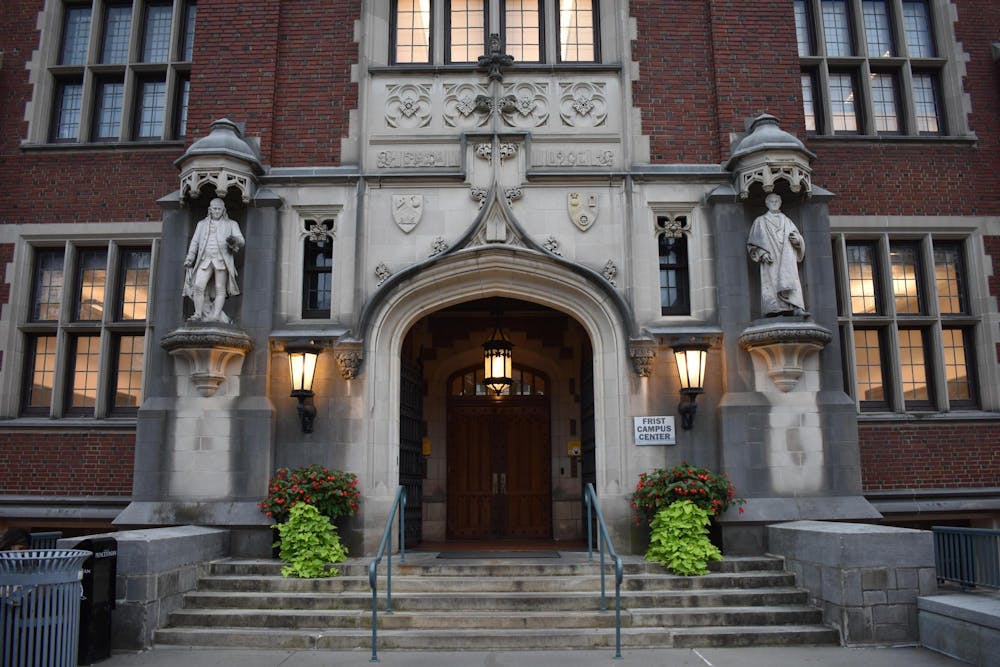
(205, 433)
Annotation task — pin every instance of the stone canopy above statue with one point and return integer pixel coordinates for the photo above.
(223, 159)
(768, 154)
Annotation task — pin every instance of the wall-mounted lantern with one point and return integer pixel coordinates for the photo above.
(690, 358)
(497, 356)
(302, 358)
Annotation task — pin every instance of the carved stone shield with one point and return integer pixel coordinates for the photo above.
(407, 210)
(582, 209)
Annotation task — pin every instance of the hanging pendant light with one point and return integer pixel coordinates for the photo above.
(496, 356)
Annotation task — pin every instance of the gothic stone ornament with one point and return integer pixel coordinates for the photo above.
(193, 180)
(512, 194)
(408, 105)
(642, 352)
(610, 271)
(439, 246)
(551, 244)
(407, 210)
(495, 59)
(349, 362)
(206, 354)
(319, 231)
(383, 273)
(583, 209)
(479, 195)
(583, 104)
(673, 225)
(461, 102)
(783, 348)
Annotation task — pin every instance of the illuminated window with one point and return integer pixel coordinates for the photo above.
(911, 333)
(525, 381)
(873, 67)
(861, 278)
(85, 331)
(114, 79)
(532, 31)
(905, 278)
(467, 30)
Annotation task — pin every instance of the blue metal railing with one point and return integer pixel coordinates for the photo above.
(385, 549)
(968, 556)
(604, 541)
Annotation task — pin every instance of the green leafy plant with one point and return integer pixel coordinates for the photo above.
(309, 544)
(678, 539)
(333, 492)
(658, 489)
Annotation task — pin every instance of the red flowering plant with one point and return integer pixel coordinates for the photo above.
(333, 492)
(658, 489)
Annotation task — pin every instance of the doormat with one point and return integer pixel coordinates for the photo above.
(475, 555)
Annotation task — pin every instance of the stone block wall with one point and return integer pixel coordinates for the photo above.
(866, 578)
(155, 568)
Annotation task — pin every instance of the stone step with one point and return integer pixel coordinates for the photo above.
(476, 640)
(408, 583)
(344, 618)
(779, 635)
(433, 567)
(725, 616)
(568, 601)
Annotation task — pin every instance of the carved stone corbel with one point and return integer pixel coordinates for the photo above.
(642, 352)
(349, 356)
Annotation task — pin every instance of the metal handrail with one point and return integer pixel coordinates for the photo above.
(604, 539)
(968, 556)
(398, 504)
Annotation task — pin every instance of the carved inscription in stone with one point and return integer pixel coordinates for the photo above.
(570, 158)
(415, 159)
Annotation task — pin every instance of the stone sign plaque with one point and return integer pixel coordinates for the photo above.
(655, 430)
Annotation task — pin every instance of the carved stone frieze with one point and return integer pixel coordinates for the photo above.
(382, 273)
(505, 151)
(408, 105)
(583, 104)
(573, 158)
(415, 159)
(642, 351)
(610, 272)
(530, 106)
(460, 105)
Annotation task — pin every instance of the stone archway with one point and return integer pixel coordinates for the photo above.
(481, 273)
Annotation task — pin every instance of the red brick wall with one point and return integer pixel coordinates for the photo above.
(104, 185)
(291, 86)
(929, 456)
(74, 463)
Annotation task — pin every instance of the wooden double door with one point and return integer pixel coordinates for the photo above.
(499, 469)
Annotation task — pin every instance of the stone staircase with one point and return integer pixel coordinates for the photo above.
(497, 604)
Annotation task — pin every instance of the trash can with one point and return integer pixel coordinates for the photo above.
(40, 606)
(99, 573)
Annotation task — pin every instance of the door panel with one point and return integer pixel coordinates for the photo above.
(499, 470)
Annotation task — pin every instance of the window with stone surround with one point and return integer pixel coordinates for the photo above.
(672, 242)
(113, 72)
(456, 31)
(907, 330)
(877, 68)
(85, 330)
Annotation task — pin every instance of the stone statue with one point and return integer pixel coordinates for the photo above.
(210, 258)
(775, 243)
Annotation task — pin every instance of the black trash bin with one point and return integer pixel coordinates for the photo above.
(99, 574)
